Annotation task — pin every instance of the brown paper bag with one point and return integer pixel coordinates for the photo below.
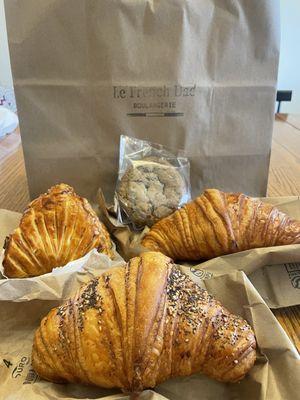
(193, 75)
(274, 271)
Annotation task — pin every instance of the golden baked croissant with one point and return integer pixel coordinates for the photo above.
(219, 223)
(138, 325)
(57, 227)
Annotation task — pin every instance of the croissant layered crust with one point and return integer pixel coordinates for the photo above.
(57, 227)
(138, 325)
(218, 223)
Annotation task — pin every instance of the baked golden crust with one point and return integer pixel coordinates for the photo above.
(138, 325)
(57, 227)
(219, 223)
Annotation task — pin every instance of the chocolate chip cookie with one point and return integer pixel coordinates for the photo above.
(149, 190)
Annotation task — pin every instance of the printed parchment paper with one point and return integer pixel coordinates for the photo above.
(275, 375)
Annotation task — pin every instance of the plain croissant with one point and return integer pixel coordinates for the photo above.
(57, 227)
(138, 325)
(219, 223)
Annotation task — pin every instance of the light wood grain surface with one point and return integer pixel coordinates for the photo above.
(284, 180)
(13, 182)
(284, 176)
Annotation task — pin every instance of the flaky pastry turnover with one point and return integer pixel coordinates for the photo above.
(57, 227)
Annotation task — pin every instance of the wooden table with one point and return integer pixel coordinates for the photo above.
(284, 180)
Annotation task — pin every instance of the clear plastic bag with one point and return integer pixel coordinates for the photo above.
(152, 182)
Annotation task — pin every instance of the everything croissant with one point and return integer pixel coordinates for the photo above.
(57, 227)
(218, 223)
(138, 325)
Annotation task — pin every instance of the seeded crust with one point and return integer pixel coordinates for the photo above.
(138, 325)
(150, 190)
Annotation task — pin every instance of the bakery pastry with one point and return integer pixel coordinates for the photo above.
(57, 227)
(149, 190)
(138, 325)
(219, 223)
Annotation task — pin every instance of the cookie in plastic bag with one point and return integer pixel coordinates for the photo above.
(152, 182)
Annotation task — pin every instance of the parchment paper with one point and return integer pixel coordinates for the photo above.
(276, 374)
(61, 282)
(275, 271)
